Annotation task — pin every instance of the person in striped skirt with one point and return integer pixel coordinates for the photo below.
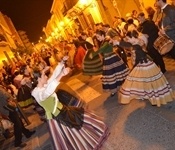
(72, 128)
(146, 81)
(114, 69)
(91, 67)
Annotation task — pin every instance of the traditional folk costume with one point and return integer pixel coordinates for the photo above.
(145, 81)
(72, 128)
(114, 69)
(91, 66)
(24, 97)
(67, 98)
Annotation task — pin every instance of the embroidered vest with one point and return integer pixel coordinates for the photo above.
(49, 106)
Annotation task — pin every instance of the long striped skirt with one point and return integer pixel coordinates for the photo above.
(90, 137)
(146, 81)
(114, 73)
(92, 66)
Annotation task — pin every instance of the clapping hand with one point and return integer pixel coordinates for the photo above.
(90, 56)
(45, 69)
(65, 71)
(115, 42)
(65, 58)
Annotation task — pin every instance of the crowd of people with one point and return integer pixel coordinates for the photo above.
(33, 79)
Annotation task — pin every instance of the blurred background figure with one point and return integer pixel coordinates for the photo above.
(150, 11)
(79, 55)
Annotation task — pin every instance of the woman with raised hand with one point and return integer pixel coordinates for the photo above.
(70, 127)
(114, 69)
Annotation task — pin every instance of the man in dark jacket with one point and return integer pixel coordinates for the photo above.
(167, 24)
(149, 28)
(9, 107)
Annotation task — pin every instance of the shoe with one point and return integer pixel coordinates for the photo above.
(21, 145)
(112, 94)
(30, 134)
(7, 134)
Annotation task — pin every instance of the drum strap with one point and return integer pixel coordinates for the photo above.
(161, 21)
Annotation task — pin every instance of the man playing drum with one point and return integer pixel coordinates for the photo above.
(149, 28)
(167, 24)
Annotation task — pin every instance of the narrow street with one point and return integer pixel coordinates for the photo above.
(136, 126)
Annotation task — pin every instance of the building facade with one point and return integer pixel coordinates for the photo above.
(6, 40)
(71, 17)
(10, 39)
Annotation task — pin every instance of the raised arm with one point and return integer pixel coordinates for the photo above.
(58, 69)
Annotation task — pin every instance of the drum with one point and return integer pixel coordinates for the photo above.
(163, 44)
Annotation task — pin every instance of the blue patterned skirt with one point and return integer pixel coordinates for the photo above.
(114, 73)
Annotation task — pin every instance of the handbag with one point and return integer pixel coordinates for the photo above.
(71, 116)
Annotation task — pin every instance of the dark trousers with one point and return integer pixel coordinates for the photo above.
(18, 127)
(157, 58)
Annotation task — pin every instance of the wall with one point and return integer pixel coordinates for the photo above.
(3, 57)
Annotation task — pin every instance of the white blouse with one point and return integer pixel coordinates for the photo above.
(40, 94)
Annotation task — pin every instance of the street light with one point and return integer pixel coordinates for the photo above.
(84, 2)
(61, 23)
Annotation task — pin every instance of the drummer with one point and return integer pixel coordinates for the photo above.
(167, 24)
(149, 28)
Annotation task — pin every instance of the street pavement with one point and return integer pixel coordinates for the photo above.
(135, 126)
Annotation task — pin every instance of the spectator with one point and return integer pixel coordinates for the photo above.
(9, 107)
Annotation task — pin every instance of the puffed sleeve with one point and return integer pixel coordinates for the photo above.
(40, 94)
(56, 72)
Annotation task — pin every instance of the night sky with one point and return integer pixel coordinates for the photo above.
(28, 15)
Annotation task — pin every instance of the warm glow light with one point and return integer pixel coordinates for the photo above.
(67, 20)
(61, 23)
(48, 39)
(93, 5)
(3, 56)
(83, 2)
(52, 34)
(56, 30)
